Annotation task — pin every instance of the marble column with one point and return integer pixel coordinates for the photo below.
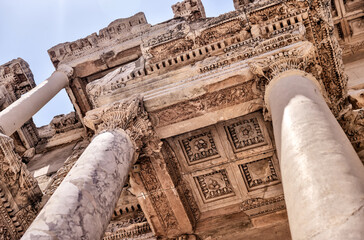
(20, 111)
(322, 176)
(82, 205)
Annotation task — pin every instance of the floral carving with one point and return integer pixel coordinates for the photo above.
(199, 147)
(158, 197)
(205, 103)
(215, 185)
(128, 115)
(245, 133)
(19, 192)
(171, 48)
(184, 190)
(222, 31)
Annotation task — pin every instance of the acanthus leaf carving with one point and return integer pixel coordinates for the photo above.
(299, 57)
(127, 114)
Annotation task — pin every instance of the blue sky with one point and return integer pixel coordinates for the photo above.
(28, 28)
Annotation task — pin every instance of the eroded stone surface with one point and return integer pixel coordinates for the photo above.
(204, 82)
(96, 179)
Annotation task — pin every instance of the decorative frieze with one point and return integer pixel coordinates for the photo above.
(19, 192)
(222, 31)
(259, 173)
(63, 123)
(135, 226)
(205, 103)
(259, 206)
(214, 185)
(256, 46)
(157, 195)
(184, 189)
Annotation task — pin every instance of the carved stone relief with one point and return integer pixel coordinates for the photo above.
(191, 10)
(129, 223)
(17, 79)
(245, 133)
(223, 31)
(352, 5)
(171, 48)
(259, 206)
(214, 185)
(127, 114)
(19, 192)
(243, 167)
(259, 173)
(158, 197)
(62, 123)
(205, 103)
(175, 171)
(114, 80)
(118, 31)
(199, 147)
(357, 26)
(305, 27)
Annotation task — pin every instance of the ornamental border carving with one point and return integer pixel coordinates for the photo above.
(19, 192)
(206, 103)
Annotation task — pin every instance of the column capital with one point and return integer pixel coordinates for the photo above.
(67, 70)
(299, 56)
(298, 59)
(128, 115)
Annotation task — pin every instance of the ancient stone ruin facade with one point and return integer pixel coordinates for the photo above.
(241, 126)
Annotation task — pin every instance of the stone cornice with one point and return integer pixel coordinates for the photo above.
(16, 79)
(120, 30)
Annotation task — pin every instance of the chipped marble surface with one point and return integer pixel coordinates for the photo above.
(74, 212)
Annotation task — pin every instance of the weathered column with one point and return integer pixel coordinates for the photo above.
(323, 178)
(20, 111)
(83, 204)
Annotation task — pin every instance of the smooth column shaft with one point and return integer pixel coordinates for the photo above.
(20, 111)
(323, 178)
(83, 204)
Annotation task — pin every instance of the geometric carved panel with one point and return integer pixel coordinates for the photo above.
(214, 185)
(200, 147)
(245, 133)
(259, 173)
